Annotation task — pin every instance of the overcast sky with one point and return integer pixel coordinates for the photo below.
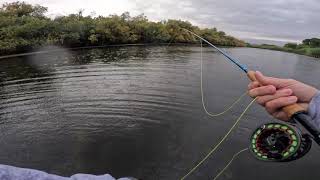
(283, 20)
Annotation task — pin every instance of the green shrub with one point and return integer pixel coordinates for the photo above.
(314, 52)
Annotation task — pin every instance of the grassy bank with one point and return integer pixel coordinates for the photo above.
(308, 51)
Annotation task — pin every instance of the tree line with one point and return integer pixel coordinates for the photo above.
(24, 27)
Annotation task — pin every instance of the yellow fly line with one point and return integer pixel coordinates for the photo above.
(215, 147)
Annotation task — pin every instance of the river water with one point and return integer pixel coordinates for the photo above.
(136, 111)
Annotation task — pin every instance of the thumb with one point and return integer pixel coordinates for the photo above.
(265, 80)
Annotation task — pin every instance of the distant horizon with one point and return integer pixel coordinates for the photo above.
(249, 19)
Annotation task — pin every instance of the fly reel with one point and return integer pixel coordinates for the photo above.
(279, 142)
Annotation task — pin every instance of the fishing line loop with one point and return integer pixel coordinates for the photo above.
(215, 147)
(202, 92)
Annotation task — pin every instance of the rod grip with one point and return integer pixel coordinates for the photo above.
(289, 110)
(251, 75)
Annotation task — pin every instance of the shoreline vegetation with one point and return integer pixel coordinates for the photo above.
(24, 28)
(308, 47)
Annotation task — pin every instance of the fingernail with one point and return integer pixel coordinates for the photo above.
(292, 98)
(249, 92)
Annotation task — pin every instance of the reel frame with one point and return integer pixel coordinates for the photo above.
(279, 142)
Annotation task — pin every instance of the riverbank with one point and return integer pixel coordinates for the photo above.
(25, 27)
(307, 51)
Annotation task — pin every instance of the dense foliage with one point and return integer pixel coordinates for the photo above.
(24, 27)
(309, 47)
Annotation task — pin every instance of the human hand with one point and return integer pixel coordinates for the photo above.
(275, 93)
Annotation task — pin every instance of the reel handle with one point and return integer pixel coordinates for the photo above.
(297, 113)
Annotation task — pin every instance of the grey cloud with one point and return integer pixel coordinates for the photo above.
(276, 19)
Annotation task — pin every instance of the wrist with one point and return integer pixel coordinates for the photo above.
(314, 108)
(314, 92)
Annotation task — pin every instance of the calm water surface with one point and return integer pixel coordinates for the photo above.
(136, 111)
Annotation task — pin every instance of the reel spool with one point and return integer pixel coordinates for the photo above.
(279, 143)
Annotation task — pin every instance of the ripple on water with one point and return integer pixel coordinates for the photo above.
(126, 90)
